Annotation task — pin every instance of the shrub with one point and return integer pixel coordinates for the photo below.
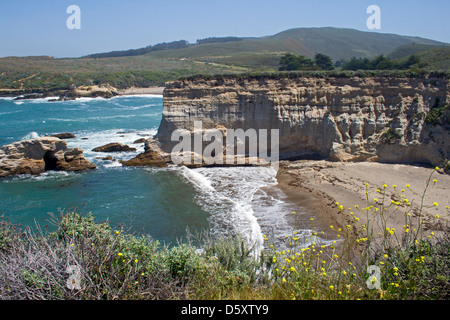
(439, 116)
(390, 136)
(114, 264)
(411, 263)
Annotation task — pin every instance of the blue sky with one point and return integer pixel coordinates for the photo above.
(31, 27)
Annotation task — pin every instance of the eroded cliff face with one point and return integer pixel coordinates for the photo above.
(343, 119)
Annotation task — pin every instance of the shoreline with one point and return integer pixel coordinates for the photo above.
(104, 93)
(140, 90)
(316, 186)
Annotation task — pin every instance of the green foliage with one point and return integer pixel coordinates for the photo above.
(379, 63)
(218, 40)
(136, 52)
(234, 255)
(117, 265)
(154, 65)
(390, 136)
(8, 234)
(439, 116)
(182, 260)
(323, 62)
(290, 62)
(318, 74)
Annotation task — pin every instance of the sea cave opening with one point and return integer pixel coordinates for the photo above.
(50, 161)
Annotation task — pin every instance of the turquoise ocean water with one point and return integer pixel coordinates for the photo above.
(160, 202)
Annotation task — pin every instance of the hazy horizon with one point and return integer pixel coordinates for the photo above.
(31, 28)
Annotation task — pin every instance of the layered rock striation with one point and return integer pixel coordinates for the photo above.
(377, 118)
(36, 156)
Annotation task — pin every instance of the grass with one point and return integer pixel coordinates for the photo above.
(319, 74)
(47, 73)
(85, 259)
(248, 55)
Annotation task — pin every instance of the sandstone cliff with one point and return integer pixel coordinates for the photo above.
(36, 156)
(340, 118)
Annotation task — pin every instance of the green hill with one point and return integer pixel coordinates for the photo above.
(338, 43)
(153, 65)
(263, 54)
(341, 43)
(435, 59)
(406, 50)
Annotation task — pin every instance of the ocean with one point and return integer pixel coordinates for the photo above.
(163, 203)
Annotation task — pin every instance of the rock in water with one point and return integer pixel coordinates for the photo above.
(114, 147)
(151, 157)
(38, 155)
(64, 135)
(141, 140)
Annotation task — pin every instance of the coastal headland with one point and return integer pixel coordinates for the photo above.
(337, 134)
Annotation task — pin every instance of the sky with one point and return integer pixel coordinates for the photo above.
(39, 27)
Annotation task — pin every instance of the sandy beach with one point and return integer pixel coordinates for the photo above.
(136, 91)
(316, 186)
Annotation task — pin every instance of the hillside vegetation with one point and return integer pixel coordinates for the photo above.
(154, 65)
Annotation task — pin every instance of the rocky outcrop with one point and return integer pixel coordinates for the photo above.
(64, 135)
(36, 156)
(338, 118)
(151, 157)
(94, 91)
(114, 147)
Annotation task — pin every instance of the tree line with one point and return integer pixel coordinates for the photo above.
(136, 52)
(291, 62)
